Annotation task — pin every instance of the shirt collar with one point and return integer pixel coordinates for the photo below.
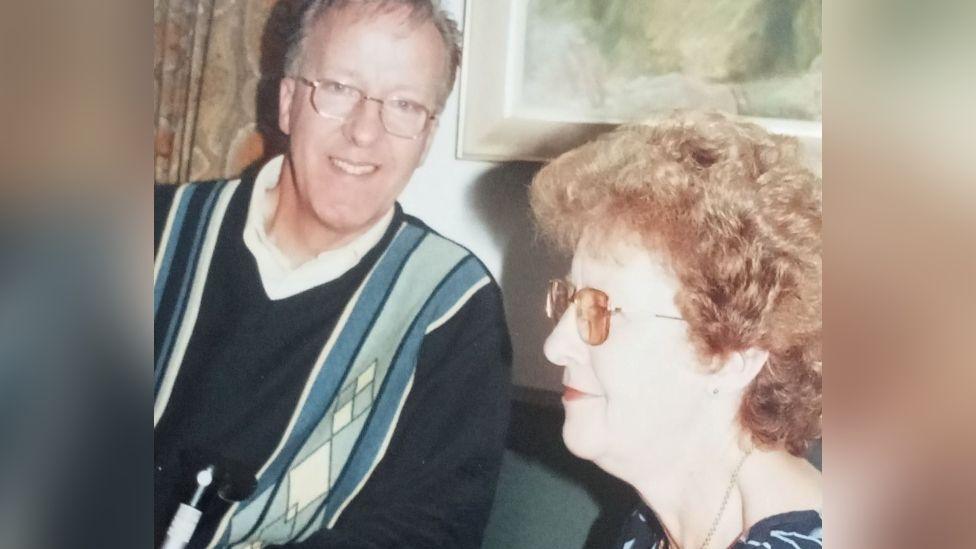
(279, 276)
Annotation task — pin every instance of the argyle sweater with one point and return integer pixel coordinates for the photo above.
(371, 409)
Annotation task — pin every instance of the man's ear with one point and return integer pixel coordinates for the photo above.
(428, 140)
(739, 369)
(286, 91)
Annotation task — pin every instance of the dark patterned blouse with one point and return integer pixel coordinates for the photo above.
(794, 530)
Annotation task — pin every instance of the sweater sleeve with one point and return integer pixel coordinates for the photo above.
(162, 202)
(435, 485)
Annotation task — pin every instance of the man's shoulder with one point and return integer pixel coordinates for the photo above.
(182, 205)
(165, 194)
(172, 187)
(195, 193)
(164, 190)
(447, 243)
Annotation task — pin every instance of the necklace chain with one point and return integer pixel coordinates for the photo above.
(725, 499)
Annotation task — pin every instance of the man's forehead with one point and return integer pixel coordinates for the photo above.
(359, 52)
(398, 22)
(401, 19)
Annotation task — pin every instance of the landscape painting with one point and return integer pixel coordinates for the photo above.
(542, 76)
(605, 60)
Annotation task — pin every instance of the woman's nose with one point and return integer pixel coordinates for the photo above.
(563, 345)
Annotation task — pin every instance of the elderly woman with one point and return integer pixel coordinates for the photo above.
(691, 336)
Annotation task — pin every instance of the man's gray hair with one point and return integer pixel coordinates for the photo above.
(421, 11)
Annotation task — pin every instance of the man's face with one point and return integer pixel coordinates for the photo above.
(346, 174)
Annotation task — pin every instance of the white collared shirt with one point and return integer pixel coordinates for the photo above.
(279, 276)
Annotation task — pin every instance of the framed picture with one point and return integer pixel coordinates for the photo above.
(542, 76)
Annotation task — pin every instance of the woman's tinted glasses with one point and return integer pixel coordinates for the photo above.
(593, 309)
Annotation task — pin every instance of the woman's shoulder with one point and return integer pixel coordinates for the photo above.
(793, 530)
(640, 531)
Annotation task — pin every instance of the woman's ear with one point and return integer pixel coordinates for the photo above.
(738, 370)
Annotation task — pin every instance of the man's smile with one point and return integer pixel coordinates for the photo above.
(353, 168)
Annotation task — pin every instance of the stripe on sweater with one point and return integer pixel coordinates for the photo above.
(164, 257)
(326, 377)
(199, 220)
(188, 305)
(395, 305)
(377, 434)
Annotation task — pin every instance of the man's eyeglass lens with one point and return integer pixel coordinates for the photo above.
(400, 117)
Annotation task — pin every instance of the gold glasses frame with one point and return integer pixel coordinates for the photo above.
(593, 309)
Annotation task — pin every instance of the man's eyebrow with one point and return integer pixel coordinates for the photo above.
(413, 89)
(338, 73)
(353, 77)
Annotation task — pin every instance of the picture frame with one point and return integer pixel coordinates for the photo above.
(492, 127)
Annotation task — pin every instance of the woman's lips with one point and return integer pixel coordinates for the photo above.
(572, 393)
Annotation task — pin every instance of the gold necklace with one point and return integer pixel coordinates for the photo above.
(725, 499)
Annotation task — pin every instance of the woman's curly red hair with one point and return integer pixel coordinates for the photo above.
(739, 218)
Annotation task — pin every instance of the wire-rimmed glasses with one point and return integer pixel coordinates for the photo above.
(400, 116)
(593, 309)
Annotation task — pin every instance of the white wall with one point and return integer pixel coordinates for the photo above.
(484, 206)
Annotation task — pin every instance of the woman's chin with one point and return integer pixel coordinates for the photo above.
(583, 445)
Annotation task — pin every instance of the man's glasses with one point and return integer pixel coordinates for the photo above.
(401, 117)
(593, 310)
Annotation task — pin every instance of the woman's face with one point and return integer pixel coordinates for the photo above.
(636, 393)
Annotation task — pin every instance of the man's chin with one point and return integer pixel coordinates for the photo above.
(346, 225)
(341, 219)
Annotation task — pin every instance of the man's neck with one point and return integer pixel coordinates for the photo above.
(293, 227)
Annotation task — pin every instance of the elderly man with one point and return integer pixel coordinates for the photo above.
(311, 334)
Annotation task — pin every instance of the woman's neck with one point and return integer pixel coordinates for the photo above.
(687, 493)
(711, 494)
(776, 482)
